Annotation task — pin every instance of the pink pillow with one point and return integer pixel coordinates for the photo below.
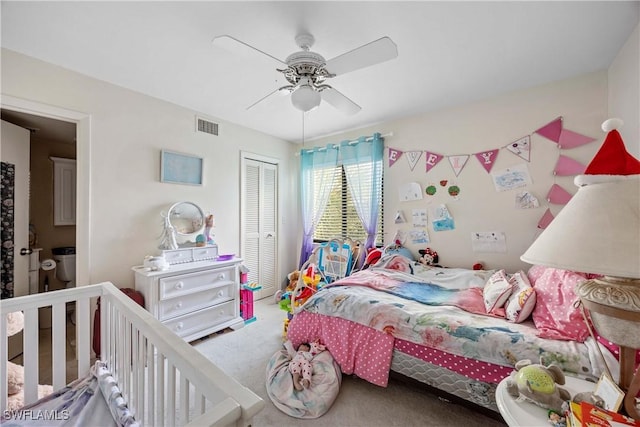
(522, 300)
(555, 314)
(496, 291)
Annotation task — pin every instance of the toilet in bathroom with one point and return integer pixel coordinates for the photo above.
(65, 258)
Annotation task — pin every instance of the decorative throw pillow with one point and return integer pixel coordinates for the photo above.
(496, 291)
(555, 314)
(522, 300)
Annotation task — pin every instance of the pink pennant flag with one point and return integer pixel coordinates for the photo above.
(546, 219)
(487, 158)
(394, 155)
(558, 195)
(458, 162)
(570, 139)
(566, 166)
(551, 130)
(521, 147)
(413, 157)
(432, 159)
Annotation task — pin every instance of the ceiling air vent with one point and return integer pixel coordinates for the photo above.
(206, 126)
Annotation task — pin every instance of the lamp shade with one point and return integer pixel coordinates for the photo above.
(598, 231)
(305, 98)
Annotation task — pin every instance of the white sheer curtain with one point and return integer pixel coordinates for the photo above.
(363, 166)
(317, 179)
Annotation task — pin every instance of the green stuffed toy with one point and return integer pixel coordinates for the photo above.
(537, 383)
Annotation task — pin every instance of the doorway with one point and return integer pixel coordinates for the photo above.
(259, 221)
(12, 107)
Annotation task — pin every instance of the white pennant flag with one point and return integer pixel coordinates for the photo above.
(521, 147)
(458, 162)
(413, 157)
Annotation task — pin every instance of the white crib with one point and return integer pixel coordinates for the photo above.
(163, 379)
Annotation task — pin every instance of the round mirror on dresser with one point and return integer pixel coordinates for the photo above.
(186, 218)
(182, 221)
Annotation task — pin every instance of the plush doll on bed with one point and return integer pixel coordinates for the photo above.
(300, 366)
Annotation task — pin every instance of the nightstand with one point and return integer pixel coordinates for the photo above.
(529, 414)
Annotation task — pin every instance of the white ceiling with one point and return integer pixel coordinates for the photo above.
(449, 53)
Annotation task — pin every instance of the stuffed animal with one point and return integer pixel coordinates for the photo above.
(537, 383)
(15, 373)
(428, 256)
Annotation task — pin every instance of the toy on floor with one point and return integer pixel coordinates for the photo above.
(300, 365)
(15, 373)
(537, 383)
(311, 283)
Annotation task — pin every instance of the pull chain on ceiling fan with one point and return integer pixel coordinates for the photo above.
(306, 71)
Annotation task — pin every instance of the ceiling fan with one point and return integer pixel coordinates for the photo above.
(307, 71)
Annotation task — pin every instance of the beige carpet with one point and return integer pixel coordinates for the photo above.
(244, 353)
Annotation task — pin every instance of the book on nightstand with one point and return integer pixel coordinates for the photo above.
(586, 414)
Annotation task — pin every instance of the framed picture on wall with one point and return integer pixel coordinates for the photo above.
(180, 168)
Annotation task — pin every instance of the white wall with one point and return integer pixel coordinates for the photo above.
(483, 126)
(128, 130)
(624, 91)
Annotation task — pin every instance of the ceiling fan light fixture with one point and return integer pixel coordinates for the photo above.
(305, 98)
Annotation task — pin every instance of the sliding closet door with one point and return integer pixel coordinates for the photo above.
(259, 213)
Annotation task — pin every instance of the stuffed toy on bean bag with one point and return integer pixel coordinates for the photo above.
(312, 401)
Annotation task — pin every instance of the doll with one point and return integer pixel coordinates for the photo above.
(300, 365)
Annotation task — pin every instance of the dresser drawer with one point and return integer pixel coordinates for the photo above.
(178, 256)
(183, 304)
(183, 284)
(200, 254)
(202, 319)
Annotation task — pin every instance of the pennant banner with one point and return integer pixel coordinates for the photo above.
(432, 159)
(551, 130)
(458, 162)
(394, 155)
(487, 158)
(521, 147)
(570, 139)
(566, 166)
(546, 219)
(413, 157)
(558, 195)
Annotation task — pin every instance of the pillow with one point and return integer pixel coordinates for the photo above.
(555, 314)
(395, 262)
(15, 378)
(522, 300)
(496, 291)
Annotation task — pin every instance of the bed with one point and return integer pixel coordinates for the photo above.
(158, 378)
(431, 324)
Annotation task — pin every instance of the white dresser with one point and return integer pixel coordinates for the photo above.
(193, 299)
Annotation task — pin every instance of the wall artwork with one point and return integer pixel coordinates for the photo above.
(180, 168)
(510, 178)
(489, 241)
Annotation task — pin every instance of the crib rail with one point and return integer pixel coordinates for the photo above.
(164, 380)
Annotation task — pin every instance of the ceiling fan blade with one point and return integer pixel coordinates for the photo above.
(281, 90)
(244, 50)
(339, 101)
(372, 53)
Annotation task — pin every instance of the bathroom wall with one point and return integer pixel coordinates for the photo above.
(41, 202)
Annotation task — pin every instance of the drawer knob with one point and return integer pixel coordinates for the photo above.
(220, 293)
(221, 276)
(179, 285)
(179, 305)
(179, 326)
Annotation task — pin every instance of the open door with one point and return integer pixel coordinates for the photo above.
(14, 154)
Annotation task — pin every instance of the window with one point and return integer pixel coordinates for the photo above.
(340, 218)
